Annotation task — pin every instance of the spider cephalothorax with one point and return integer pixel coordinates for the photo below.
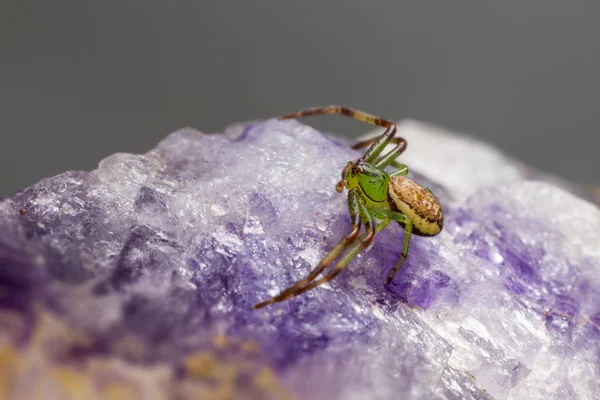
(375, 198)
(371, 182)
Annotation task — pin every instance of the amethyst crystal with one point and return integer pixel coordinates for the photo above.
(138, 278)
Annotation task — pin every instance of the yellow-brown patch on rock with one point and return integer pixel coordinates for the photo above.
(43, 369)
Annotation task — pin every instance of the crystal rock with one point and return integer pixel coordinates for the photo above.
(138, 278)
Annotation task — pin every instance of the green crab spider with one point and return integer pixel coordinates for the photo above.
(375, 198)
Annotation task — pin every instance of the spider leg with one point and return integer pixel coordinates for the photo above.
(407, 223)
(357, 216)
(378, 144)
(357, 213)
(402, 169)
(365, 241)
(364, 143)
(349, 112)
(388, 158)
(391, 156)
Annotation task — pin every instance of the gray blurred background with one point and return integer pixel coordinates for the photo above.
(83, 79)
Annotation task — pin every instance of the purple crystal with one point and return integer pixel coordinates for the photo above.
(142, 274)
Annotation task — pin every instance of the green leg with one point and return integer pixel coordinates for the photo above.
(365, 143)
(393, 154)
(396, 216)
(379, 144)
(388, 158)
(358, 213)
(362, 243)
(402, 169)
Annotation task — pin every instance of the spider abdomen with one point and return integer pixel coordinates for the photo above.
(418, 204)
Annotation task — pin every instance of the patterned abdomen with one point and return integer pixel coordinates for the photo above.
(418, 204)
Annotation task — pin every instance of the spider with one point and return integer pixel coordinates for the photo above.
(375, 198)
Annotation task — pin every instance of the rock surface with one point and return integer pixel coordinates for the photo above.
(138, 278)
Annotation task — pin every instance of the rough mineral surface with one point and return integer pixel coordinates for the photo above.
(138, 278)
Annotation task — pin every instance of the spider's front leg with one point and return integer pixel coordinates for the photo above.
(390, 157)
(364, 241)
(377, 144)
(358, 214)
